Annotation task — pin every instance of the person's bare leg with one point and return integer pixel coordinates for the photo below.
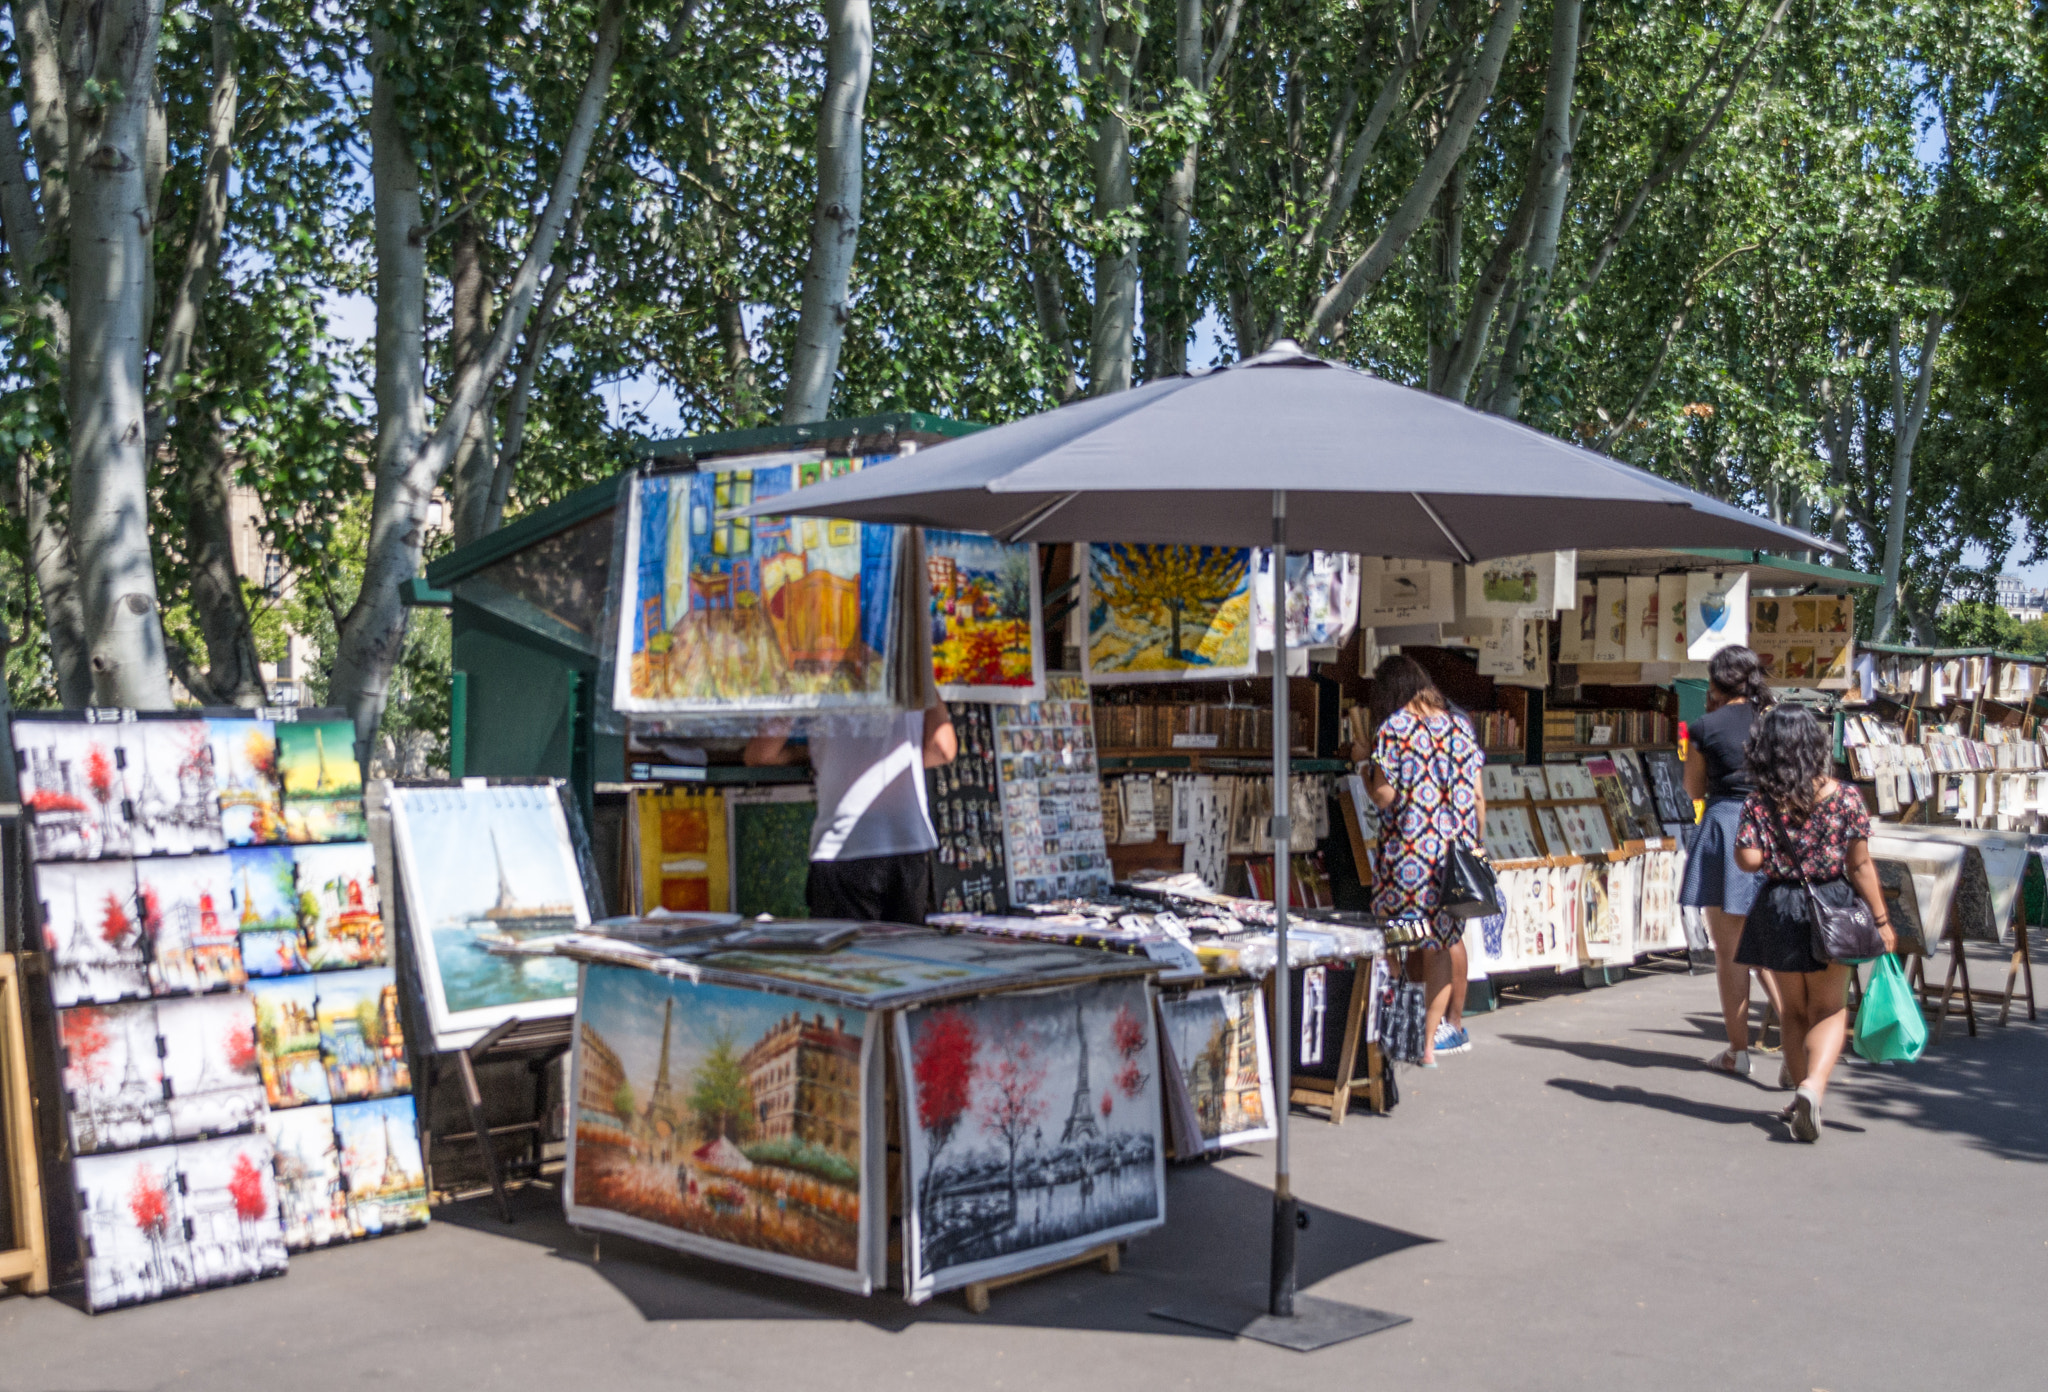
(1436, 989)
(1793, 1019)
(1461, 962)
(1771, 994)
(1725, 929)
(1827, 1026)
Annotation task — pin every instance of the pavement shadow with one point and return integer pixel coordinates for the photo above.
(1667, 1102)
(1216, 1239)
(1986, 1089)
(1620, 1054)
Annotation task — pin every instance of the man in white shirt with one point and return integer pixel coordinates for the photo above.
(872, 841)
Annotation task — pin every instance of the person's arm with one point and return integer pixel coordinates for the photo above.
(941, 741)
(1749, 839)
(1862, 875)
(1695, 773)
(772, 746)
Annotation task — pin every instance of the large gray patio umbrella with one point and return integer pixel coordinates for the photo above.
(1286, 450)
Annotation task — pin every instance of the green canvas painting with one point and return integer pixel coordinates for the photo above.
(771, 857)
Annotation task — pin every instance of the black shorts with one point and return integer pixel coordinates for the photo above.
(876, 889)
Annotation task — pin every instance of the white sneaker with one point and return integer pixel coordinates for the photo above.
(1734, 1061)
(1805, 1117)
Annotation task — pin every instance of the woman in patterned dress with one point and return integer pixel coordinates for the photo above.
(1424, 776)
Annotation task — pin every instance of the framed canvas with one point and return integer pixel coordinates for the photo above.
(1031, 1130)
(211, 1071)
(188, 916)
(113, 1077)
(731, 1123)
(341, 912)
(1569, 782)
(321, 781)
(988, 642)
(1716, 613)
(245, 774)
(1510, 833)
(484, 865)
(70, 779)
(263, 892)
(132, 1222)
(1218, 1044)
(753, 614)
(681, 839)
(93, 932)
(288, 1041)
(174, 803)
(1166, 613)
(362, 1042)
(768, 839)
(381, 1165)
(1555, 842)
(231, 1209)
(310, 1200)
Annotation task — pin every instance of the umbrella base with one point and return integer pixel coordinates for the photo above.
(1315, 1324)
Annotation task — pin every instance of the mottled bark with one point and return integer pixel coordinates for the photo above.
(835, 223)
(469, 323)
(234, 674)
(1908, 414)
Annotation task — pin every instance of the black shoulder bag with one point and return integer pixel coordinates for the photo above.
(1466, 887)
(1845, 934)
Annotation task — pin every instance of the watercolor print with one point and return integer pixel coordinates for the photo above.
(381, 1165)
(323, 785)
(71, 784)
(92, 929)
(986, 639)
(727, 1122)
(1167, 613)
(1716, 613)
(262, 888)
(1218, 1041)
(230, 1204)
(210, 1064)
(487, 866)
(1032, 1130)
(113, 1079)
(132, 1219)
(245, 771)
(1322, 598)
(340, 912)
(288, 1041)
(308, 1165)
(788, 613)
(189, 920)
(173, 798)
(361, 1041)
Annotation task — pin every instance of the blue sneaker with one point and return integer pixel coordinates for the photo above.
(1452, 1041)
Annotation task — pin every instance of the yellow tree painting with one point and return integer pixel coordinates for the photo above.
(1168, 613)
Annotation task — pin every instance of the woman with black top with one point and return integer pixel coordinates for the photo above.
(1801, 828)
(1717, 769)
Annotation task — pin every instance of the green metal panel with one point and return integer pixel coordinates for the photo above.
(1692, 698)
(518, 711)
(1834, 575)
(458, 723)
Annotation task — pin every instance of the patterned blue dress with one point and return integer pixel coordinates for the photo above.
(1433, 764)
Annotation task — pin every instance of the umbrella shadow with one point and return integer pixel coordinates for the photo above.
(1621, 1054)
(1218, 1231)
(1668, 1102)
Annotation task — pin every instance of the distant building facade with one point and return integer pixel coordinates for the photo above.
(805, 1079)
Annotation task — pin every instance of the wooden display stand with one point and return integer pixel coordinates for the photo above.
(539, 1043)
(2020, 966)
(27, 1264)
(1337, 1094)
(1109, 1254)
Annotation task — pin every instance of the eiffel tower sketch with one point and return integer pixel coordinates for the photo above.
(1081, 1119)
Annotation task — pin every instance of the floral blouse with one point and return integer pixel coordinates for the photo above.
(1822, 840)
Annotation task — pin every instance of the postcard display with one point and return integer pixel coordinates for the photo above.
(234, 1077)
(969, 870)
(730, 1102)
(1051, 795)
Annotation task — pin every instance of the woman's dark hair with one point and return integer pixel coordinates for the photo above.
(1787, 754)
(1739, 676)
(1397, 681)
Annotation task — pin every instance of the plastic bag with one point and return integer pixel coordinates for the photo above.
(1403, 1015)
(1889, 1025)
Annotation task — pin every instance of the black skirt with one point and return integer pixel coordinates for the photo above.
(1778, 934)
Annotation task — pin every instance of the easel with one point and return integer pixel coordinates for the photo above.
(1337, 1093)
(2020, 963)
(28, 1263)
(539, 1043)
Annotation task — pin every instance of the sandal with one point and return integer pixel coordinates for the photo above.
(1804, 1114)
(1735, 1061)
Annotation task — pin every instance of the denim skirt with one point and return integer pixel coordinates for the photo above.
(1712, 880)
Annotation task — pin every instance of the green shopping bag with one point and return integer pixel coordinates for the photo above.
(1889, 1026)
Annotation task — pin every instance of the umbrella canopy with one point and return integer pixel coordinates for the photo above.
(1367, 465)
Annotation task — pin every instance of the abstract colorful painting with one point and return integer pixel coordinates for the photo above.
(113, 1078)
(341, 917)
(230, 1205)
(132, 1220)
(684, 864)
(70, 780)
(790, 613)
(323, 784)
(1167, 613)
(1031, 1128)
(93, 931)
(1218, 1043)
(381, 1165)
(188, 917)
(173, 801)
(210, 1064)
(288, 1041)
(308, 1165)
(487, 865)
(245, 771)
(361, 1040)
(728, 1122)
(987, 644)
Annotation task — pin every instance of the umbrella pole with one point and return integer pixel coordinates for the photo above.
(1281, 1293)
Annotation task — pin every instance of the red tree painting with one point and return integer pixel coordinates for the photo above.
(115, 925)
(1014, 1105)
(152, 910)
(1131, 1038)
(149, 1204)
(85, 1041)
(240, 1049)
(942, 1060)
(99, 776)
(245, 1187)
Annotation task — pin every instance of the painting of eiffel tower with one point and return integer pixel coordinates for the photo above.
(113, 1081)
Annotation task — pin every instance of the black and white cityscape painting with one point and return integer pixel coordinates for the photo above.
(1032, 1130)
(93, 930)
(113, 1077)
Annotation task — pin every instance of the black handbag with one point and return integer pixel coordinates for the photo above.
(1847, 933)
(1466, 885)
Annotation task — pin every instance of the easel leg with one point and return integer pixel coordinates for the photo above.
(1354, 1028)
(473, 1095)
(2021, 967)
